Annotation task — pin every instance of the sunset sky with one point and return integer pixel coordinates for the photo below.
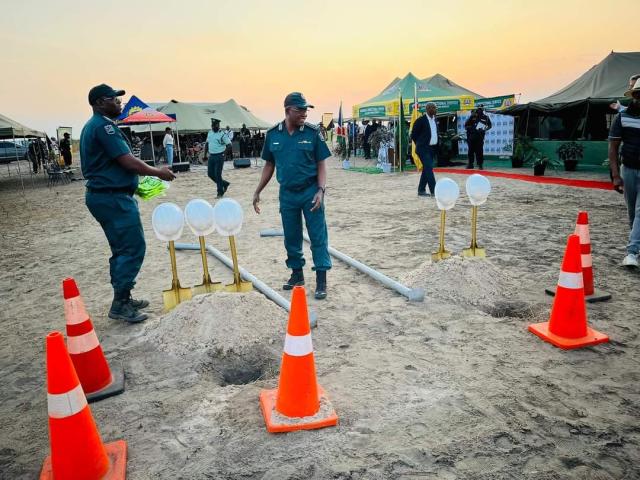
(258, 51)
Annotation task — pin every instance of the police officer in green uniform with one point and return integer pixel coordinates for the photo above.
(112, 178)
(297, 152)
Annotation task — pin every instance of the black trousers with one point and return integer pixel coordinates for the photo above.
(476, 146)
(214, 171)
(427, 154)
(367, 150)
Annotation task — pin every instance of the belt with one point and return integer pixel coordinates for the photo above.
(126, 190)
(304, 186)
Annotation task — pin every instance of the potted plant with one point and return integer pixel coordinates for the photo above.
(524, 149)
(539, 165)
(340, 151)
(446, 147)
(570, 153)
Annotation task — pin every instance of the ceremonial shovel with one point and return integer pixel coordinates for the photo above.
(228, 216)
(446, 193)
(199, 217)
(168, 222)
(176, 293)
(238, 285)
(478, 189)
(207, 286)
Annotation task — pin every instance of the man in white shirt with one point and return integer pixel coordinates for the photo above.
(167, 143)
(425, 134)
(617, 105)
(215, 146)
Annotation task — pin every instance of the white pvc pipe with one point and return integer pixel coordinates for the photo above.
(258, 284)
(413, 294)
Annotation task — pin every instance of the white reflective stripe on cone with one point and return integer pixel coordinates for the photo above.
(583, 231)
(586, 260)
(82, 343)
(62, 405)
(74, 310)
(571, 280)
(298, 346)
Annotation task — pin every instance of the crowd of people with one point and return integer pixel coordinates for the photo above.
(191, 147)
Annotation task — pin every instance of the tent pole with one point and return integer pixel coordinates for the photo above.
(17, 158)
(586, 119)
(153, 150)
(526, 127)
(178, 140)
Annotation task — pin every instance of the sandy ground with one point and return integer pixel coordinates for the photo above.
(451, 388)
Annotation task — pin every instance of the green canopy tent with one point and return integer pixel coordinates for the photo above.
(196, 117)
(579, 111)
(447, 95)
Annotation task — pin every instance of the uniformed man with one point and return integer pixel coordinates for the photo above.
(297, 152)
(215, 146)
(112, 177)
(65, 149)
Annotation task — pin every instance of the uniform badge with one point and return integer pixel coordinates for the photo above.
(109, 129)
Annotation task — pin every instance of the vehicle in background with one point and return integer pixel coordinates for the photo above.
(9, 151)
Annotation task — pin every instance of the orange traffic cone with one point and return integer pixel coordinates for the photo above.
(77, 452)
(567, 327)
(298, 403)
(591, 293)
(96, 377)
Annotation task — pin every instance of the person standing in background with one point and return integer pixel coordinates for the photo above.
(65, 149)
(245, 140)
(215, 146)
(617, 105)
(425, 135)
(167, 143)
(476, 126)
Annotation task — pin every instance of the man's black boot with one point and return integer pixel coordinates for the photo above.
(321, 285)
(297, 278)
(121, 308)
(139, 303)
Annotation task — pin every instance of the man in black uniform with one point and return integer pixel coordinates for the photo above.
(112, 178)
(245, 141)
(368, 130)
(476, 127)
(65, 149)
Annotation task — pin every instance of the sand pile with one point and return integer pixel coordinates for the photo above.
(465, 281)
(238, 337)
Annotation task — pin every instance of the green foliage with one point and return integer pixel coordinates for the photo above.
(340, 150)
(382, 134)
(570, 151)
(445, 147)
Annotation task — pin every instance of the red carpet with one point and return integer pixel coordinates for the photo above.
(531, 178)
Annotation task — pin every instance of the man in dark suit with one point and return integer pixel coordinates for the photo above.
(476, 127)
(368, 130)
(425, 134)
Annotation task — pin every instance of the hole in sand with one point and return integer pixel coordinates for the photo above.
(234, 368)
(515, 309)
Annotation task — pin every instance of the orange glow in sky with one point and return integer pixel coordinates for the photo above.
(258, 51)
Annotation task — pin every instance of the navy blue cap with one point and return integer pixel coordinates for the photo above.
(103, 90)
(296, 99)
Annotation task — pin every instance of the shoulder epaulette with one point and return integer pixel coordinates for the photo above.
(276, 126)
(311, 125)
